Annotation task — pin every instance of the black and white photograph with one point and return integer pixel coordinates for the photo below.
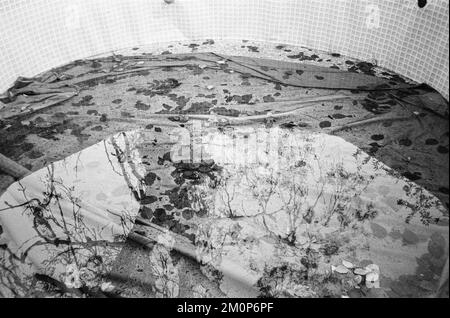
(225, 156)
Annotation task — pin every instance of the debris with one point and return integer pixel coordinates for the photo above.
(324, 124)
(209, 87)
(373, 276)
(288, 125)
(408, 236)
(378, 230)
(370, 121)
(358, 279)
(347, 264)
(341, 269)
(107, 287)
(373, 268)
(72, 279)
(12, 168)
(372, 280)
(355, 293)
(330, 248)
(181, 119)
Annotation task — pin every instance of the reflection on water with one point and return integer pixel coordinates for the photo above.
(262, 211)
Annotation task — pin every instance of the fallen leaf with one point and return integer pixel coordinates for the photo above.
(347, 264)
(372, 280)
(107, 287)
(341, 269)
(373, 285)
(373, 268)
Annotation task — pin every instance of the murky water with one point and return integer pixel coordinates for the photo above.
(264, 211)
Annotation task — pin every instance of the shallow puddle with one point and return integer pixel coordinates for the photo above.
(261, 211)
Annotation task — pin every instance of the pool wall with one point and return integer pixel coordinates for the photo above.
(36, 35)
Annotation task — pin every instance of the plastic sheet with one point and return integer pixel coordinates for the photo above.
(232, 189)
(30, 95)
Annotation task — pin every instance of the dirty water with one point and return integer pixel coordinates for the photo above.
(224, 182)
(251, 206)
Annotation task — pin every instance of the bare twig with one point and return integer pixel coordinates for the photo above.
(369, 122)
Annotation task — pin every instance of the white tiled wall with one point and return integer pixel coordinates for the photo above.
(36, 35)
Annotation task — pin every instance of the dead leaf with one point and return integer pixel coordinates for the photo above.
(341, 269)
(373, 268)
(348, 264)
